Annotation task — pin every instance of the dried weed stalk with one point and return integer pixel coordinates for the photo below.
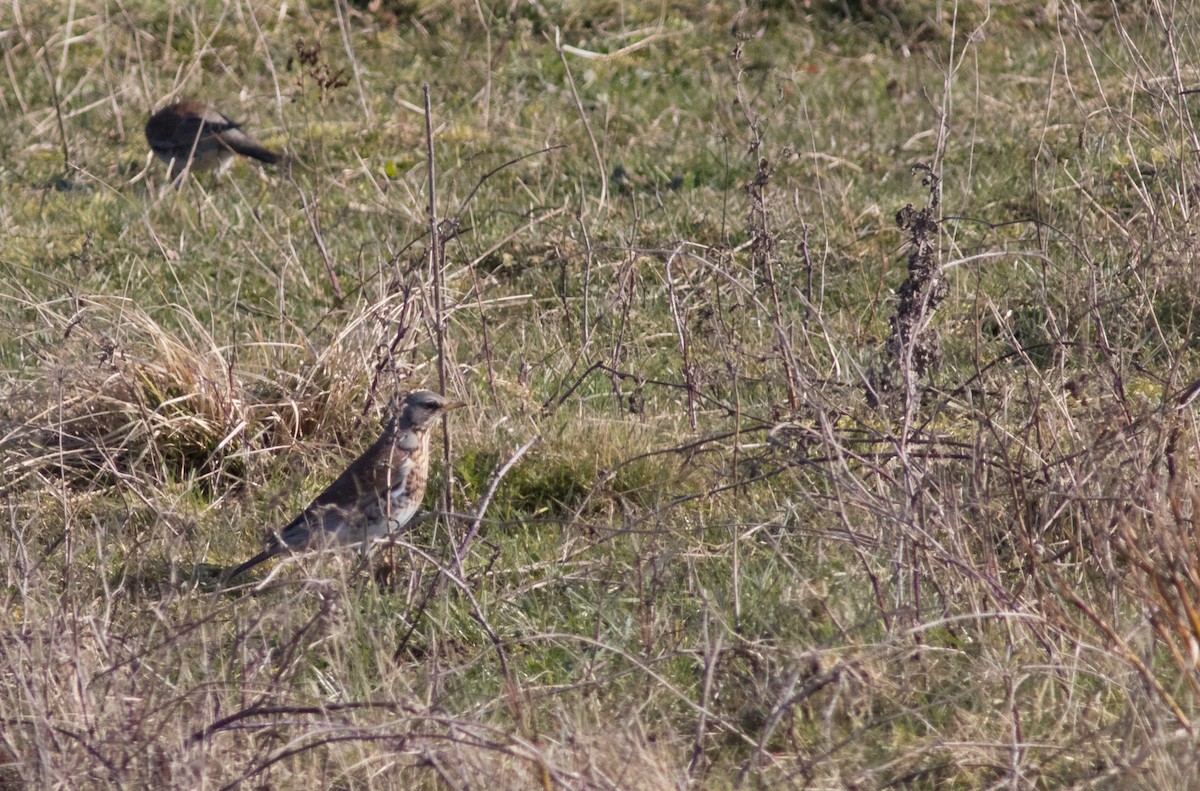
(912, 351)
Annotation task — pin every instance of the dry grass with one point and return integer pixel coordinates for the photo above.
(858, 338)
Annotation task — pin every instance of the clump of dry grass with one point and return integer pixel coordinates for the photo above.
(124, 392)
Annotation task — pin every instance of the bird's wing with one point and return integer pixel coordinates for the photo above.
(356, 496)
(213, 120)
(374, 496)
(313, 524)
(190, 127)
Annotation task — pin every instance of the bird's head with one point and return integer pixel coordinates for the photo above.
(420, 408)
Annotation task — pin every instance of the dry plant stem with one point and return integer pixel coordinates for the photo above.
(512, 688)
(1017, 745)
(515, 234)
(483, 180)
(785, 701)
(437, 269)
(732, 410)
(589, 256)
(806, 257)
(62, 129)
(64, 498)
(558, 400)
(483, 330)
(420, 729)
(403, 325)
(343, 16)
(461, 550)
(626, 280)
(497, 476)
(681, 336)
(712, 655)
(559, 47)
(1067, 591)
(814, 684)
(735, 539)
(310, 213)
(228, 722)
(762, 242)
(915, 353)
(785, 343)
(926, 288)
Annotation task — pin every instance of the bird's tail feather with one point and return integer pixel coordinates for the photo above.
(261, 557)
(255, 151)
(243, 145)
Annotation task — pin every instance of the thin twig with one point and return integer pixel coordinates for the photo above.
(463, 206)
(310, 213)
(712, 654)
(476, 521)
(561, 49)
(403, 325)
(439, 287)
(497, 476)
(682, 336)
(587, 281)
(342, 8)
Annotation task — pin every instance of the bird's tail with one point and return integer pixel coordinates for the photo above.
(242, 144)
(261, 557)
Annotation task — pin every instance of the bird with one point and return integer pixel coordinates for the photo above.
(190, 134)
(378, 493)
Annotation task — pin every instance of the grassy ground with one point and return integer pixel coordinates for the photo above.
(855, 338)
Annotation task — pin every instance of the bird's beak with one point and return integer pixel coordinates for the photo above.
(454, 405)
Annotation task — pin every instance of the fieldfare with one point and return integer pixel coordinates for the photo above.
(192, 134)
(377, 494)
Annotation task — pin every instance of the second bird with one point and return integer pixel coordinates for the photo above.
(193, 134)
(377, 494)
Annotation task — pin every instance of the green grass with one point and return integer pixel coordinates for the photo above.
(725, 563)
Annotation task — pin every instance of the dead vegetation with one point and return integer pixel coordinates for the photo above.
(798, 516)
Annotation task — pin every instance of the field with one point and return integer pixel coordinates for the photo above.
(830, 370)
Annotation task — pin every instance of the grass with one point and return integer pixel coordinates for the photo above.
(818, 499)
